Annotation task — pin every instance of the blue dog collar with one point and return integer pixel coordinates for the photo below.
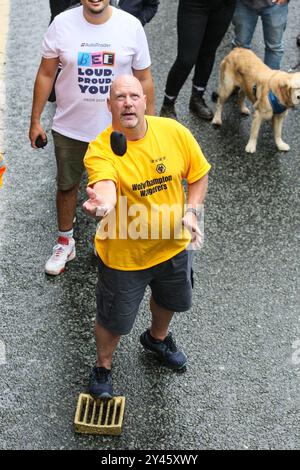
(277, 107)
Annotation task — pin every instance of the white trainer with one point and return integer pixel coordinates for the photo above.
(63, 252)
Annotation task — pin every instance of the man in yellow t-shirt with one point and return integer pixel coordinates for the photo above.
(145, 225)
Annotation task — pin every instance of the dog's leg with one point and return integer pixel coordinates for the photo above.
(277, 128)
(256, 123)
(226, 87)
(217, 120)
(242, 104)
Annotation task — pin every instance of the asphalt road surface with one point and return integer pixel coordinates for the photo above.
(241, 389)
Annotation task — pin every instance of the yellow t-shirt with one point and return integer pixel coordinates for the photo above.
(146, 228)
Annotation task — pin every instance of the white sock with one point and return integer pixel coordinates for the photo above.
(199, 88)
(171, 98)
(68, 234)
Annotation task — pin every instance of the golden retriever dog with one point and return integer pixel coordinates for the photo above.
(272, 93)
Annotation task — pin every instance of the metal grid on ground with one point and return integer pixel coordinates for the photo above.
(99, 416)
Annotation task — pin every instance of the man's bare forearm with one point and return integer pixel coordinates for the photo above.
(197, 192)
(42, 87)
(42, 90)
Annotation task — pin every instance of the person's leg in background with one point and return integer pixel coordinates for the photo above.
(274, 20)
(219, 19)
(191, 23)
(244, 22)
(69, 155)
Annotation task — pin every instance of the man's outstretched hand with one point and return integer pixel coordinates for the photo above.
(190, 222)
(96, 206)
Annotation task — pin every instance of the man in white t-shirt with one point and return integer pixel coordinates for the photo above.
(95, 43)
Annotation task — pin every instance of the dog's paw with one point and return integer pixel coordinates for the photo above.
(245, 111)
(283, 147)
(250, 147)
(216, 122)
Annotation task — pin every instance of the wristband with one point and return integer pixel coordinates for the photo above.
(193, 210)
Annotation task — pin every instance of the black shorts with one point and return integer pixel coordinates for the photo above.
(119, 293)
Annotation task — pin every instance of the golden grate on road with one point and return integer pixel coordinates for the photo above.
(99, 416)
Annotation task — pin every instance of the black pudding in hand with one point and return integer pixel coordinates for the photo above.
(40, 142)
(118, 143)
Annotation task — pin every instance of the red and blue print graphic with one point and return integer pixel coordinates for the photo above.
(95, 59)
(95, 72)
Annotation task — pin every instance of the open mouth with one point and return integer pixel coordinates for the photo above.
(128, 115)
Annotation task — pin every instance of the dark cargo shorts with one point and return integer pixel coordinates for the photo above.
(119, 293)
(69, 154)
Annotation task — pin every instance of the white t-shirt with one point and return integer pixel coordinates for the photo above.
(91, 57)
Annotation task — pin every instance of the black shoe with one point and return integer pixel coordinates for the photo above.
(166, 350)
(168, 111)
(199, 107)
(298, 40)
(100, 383)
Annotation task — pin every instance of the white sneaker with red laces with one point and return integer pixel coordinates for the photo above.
(63, 252)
